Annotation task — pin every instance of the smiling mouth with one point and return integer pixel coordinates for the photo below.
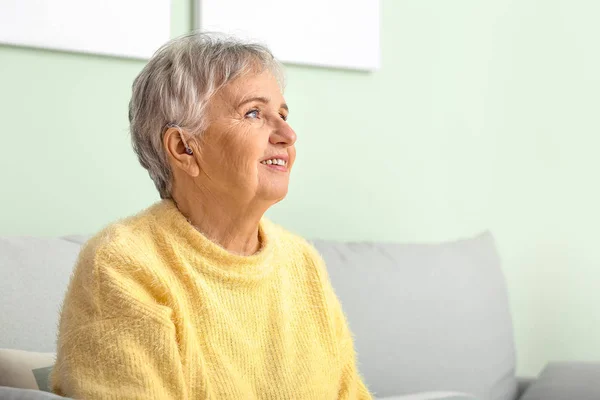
(276, 164)
(275, 161)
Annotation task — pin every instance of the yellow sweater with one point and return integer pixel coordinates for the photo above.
(155, 310)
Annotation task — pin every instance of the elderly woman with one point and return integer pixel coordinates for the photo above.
(199, 296)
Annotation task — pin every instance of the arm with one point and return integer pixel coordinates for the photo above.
(352, 386)
(115, 341)
(351, 383)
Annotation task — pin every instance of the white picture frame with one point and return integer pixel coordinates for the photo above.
(121, 28)
(326, 33)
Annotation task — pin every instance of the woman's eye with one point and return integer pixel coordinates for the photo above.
(252, 114)
(283, 117)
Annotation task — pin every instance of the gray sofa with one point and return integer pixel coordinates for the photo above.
(426, 317)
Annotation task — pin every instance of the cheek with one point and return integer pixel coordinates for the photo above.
(223, 147)
(236, 148)
(292, 153)
(243, 157)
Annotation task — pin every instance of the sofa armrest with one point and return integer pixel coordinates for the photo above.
(566, 380)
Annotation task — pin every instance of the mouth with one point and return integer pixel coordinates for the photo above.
(278, 164)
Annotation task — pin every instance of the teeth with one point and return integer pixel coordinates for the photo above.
(274, 161)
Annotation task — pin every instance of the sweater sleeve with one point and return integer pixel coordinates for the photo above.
(351, 386)
(115, 341)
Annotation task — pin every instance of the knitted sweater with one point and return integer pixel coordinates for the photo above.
(155, 310)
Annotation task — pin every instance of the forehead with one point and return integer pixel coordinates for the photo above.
(262, 84)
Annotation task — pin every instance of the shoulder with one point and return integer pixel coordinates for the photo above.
(122, 251)
(310, 264)
(294, 247)
(290, 241)
(118, 265)
(125, 241)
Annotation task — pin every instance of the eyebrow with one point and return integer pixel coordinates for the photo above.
(262, 99)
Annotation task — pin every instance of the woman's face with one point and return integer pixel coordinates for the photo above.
(248, 148)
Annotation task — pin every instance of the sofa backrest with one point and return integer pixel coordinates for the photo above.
(34, 274)
(427, 316)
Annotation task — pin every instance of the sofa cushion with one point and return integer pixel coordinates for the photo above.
(427, 316)
(7, 393)
(25, 369)
(35, 273)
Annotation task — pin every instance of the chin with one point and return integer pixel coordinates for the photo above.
(275, 196)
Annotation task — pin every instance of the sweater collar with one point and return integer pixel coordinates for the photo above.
(208, 255)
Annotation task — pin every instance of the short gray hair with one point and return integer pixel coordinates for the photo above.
(176, 85)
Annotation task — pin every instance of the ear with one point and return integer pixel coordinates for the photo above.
(175, 148)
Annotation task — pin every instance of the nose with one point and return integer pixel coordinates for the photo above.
(283, 134)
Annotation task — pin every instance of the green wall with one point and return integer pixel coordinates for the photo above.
(485, 115)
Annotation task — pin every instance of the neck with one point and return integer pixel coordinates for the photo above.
(232, 226)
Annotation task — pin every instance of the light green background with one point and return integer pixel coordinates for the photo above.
(484, 115)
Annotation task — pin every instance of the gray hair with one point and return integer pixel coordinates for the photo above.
(176, 86)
